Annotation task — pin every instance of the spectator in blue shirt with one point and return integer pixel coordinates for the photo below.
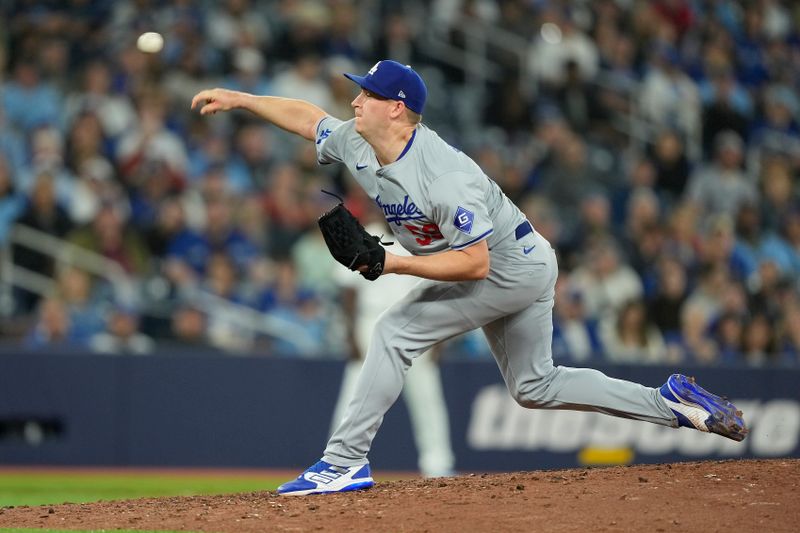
(28, 102)
(52, 328)
(189, 252)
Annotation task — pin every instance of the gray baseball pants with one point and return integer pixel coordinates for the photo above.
(514, 307)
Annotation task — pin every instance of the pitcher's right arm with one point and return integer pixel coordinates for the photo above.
(295, 116)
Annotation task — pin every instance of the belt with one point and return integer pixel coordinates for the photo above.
(522, 230)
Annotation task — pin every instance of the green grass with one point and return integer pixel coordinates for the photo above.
(35, 488)
(80, 486)
(30, 530)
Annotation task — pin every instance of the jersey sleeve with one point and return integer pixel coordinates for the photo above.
(332, 136)
(458, 202)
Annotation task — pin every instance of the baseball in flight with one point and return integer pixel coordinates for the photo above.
(150, 42)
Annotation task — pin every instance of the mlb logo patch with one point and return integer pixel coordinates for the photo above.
(463, 220)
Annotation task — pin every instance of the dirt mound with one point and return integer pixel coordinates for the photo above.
(736, 495)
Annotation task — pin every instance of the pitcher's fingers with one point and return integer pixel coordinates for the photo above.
(210, 108)
(200, 97)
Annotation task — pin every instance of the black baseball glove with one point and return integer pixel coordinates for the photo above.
(350, 244)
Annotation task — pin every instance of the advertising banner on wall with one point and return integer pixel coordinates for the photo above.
(494, 432)
(212, 411)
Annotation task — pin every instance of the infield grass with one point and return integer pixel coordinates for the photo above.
(37, 530)
(40, 488)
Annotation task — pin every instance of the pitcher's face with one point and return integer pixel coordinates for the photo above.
(371, 111)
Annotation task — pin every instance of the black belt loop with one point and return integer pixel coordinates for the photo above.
(523, 229)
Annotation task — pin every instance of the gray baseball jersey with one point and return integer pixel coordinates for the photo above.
(436, 198)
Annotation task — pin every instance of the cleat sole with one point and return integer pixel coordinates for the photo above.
(725, 419)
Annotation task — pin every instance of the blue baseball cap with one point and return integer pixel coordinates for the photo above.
(394, 81)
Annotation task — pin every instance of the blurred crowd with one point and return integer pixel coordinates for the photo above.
(656, 144)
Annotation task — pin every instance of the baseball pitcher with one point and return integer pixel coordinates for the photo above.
(482, 264)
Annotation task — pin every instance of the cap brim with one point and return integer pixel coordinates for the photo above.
(364, 83)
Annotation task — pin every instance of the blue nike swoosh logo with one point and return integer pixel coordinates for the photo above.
(360, 167)
(526, 250)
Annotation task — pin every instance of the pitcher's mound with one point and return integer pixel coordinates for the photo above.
(737, 495)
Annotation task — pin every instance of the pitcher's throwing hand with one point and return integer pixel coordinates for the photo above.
(213, 100)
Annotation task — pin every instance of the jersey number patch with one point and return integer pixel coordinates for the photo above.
(426, 234)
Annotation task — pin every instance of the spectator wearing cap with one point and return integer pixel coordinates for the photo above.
(722, 186)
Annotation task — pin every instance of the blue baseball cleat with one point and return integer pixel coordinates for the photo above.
(324, 478)
(697, 408)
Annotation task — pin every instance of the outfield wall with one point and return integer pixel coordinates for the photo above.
(211, 411)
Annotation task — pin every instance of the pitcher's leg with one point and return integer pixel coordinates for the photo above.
(404, 331)
(521, 343)
(378, 386)
(432, 312)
